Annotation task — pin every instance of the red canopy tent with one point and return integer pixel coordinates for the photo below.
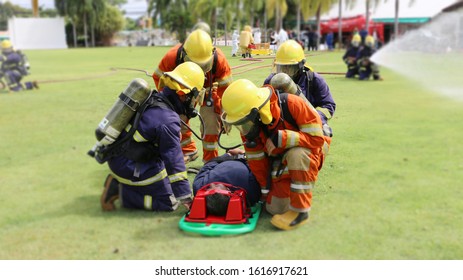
(349, 24)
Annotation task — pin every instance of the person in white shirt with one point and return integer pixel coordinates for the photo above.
(235, 37)
(282, 36)
(257, 36)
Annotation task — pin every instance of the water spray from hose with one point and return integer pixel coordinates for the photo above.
(431, 55)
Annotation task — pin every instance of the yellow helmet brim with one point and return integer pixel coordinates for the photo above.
(263, 94)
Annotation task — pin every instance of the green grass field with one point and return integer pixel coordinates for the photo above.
(390, 188)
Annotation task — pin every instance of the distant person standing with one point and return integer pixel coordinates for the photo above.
(235, 38)
(282, 36)
(312, 38)
(257, 36)
(330, 41)
(273, 41)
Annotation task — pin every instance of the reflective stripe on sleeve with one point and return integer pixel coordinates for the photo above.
(178, 177)
(292, 139)
(138, 137)
(312, 129)
(255, 155)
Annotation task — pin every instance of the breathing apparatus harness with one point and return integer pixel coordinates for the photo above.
(143, 152)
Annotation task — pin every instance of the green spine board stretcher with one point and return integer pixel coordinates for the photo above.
(215, 229)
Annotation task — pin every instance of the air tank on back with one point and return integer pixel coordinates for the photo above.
(120, 114)
(284, 83)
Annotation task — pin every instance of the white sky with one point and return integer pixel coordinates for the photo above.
(421, 8)
(133, 8)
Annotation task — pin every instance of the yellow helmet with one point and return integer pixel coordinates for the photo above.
(198, 49)
(356, 39)
(248, 28)
(289, 58)
(241, 97)
(6, 44)
(290, 52)
(188, 75)
(369, 41)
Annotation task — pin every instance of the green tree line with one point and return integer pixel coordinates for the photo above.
(96, 21)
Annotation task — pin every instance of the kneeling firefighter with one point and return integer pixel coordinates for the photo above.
(284, 155)
(147, 170)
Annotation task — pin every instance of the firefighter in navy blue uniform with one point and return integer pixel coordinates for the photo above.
(159, 182)
(290, 59)
(350, 57)
(367, 67)
(13, 68)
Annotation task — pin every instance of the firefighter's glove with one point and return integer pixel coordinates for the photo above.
(270, 145)
(327, 131)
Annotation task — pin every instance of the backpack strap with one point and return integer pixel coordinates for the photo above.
(180, 58)
(310, 82)
(214, 64)
(285, 113)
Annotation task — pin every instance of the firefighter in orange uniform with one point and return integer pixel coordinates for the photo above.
(198, 48)
(290, 151)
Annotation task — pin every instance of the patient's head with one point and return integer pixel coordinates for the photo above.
(217, 203)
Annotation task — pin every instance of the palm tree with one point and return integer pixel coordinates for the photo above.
(316, 7)
(68, 8)
(277, 9)
(349, 4)
(253, 7)
(396, 17)
(158, 8)
(375, 3)
(93, 8)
